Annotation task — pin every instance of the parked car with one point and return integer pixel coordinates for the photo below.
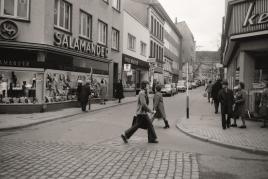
(181, 86)
(190, 86)
(174, 88)
(194, 85)
(168, 90)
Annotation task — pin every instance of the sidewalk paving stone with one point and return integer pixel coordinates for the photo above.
(13, 121)
(207, 127)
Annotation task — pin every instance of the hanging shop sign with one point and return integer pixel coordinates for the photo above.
(127, 67)
(8, 30)
(69, 42)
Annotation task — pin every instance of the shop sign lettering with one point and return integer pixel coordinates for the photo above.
(131, 61)
(255, 19)
(66, 41)
(14, 63)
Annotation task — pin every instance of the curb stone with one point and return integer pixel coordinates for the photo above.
(61, 117)
(213, 141)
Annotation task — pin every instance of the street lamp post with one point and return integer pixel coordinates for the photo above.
(187, 92)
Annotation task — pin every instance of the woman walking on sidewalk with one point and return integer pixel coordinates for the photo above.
(142, 116)
(240, 105)
(159, 106)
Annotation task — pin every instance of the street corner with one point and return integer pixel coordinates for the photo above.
(103, 160)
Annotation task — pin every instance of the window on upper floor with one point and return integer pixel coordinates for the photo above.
(116, 4)
(85, 27)
(152, 23)
(131, 42)
(62, 15)
(102, 33)
(18, 9)
(115, 39)
(143, 49)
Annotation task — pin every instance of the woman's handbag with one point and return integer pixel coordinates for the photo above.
(139, 119)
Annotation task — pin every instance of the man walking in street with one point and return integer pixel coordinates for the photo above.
(142, 116)
(208, 90)
(214, 93)
(226, 99)
(84, 96)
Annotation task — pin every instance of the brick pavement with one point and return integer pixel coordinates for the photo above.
(112, 159)
(205, 125)
(11, 121)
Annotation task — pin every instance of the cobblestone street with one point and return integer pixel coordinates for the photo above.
(28, 159)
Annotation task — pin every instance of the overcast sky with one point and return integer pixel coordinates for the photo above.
(204, 18)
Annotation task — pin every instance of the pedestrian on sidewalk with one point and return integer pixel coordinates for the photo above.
(264, 106)
(215, 93)
(226, 99)
(119, 91)
(79, 88)
(240, 105)
(84, 96)
(158, 106)
(209, 90)
(142, 116)
(103, 91)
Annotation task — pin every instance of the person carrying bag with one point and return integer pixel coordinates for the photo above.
(142, 119)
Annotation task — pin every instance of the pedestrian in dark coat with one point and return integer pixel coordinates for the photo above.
(103, 91)
(159, 108)
(78, 90)
(226, 98)
(84, 96)
(119, 91)
(142, 116)
(240, 105)
(214, 93)
(264, 106)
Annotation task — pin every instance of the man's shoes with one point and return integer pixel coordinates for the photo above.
(153, 141)
(264, 126)
(224, 128)
(216, 112)
(243, 127)
(124, 138)
(234, 125)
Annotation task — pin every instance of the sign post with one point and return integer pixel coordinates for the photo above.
(187, 92)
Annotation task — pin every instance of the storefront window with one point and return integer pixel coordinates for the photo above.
(20, 87)
(62, 85)
(129, 79)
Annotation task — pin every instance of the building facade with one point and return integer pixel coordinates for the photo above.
(187, 50)
(245, 49)
(172, 52)
(136, 40)
(47, 47)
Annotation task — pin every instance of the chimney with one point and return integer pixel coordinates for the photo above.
(176, 20)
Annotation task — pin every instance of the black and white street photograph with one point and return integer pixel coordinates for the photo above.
(133, 89)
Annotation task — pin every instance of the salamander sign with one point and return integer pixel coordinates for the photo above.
(69, 42)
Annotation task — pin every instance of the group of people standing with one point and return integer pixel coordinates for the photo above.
(233, 103)
(142, 113)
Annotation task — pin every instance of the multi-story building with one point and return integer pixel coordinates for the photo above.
(245, 47)
(187, 50)
(172, 51)
(149, 13)
(136, 40)
(207, 65)
(47, 47)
